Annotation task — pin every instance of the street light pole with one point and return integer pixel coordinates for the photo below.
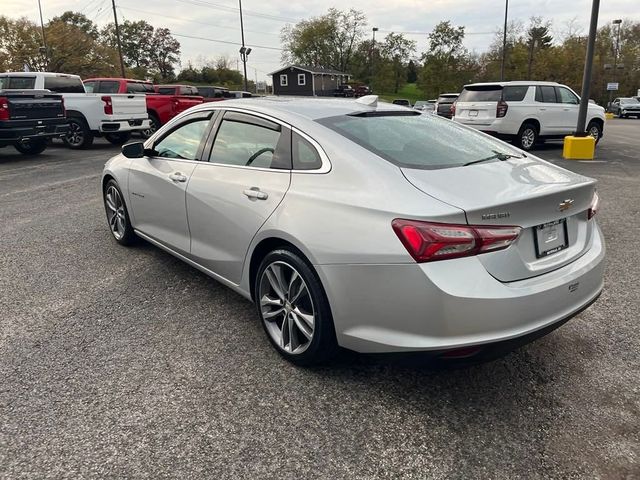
(617, 22)
(588, 66)
(504, 39)
(243, 50)
(373, 47)
(44, 38)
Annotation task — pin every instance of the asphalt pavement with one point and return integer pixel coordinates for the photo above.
(127, 363)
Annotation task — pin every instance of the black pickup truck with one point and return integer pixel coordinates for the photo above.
(29, 118)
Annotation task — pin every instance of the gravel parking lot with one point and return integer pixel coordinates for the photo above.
(127, 363)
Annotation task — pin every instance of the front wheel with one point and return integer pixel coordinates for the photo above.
(595, 130)
(294, 309)
(118, 138)
(32, 147)
(117, 214)
(527, 136)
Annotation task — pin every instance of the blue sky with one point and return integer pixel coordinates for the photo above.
(219, 20)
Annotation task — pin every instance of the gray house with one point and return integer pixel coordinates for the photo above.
(303, 80)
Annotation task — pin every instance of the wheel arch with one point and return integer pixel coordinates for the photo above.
(76, 114)
(534, 121)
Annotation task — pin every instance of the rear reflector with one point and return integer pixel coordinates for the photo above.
(428, 242)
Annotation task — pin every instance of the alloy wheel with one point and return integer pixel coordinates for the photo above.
(528, 137)
(286, 307)
(115, 212)
(75, 135)
(153, 127)
(594, 131)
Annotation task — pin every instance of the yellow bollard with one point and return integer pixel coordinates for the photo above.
(579, 148)
(608, 116)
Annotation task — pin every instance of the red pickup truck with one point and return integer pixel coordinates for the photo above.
(161, 107)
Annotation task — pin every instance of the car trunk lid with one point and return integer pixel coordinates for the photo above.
(129, 105)
(32, 104)
(477, 104)
(527, 192)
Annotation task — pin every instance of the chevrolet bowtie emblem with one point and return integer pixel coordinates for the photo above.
(566, 204)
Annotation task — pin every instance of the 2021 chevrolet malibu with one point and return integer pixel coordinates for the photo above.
(364, 225)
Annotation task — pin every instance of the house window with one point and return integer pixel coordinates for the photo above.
(302, 79)
(284, 80)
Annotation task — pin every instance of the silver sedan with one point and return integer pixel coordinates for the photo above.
(364, 225)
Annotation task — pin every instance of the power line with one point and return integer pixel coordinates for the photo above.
(193, 21)
(224, 41)
(203, 3)
(427, 33)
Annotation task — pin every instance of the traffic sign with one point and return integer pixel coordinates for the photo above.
(612, 86)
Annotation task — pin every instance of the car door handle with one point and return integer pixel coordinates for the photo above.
(566, 109)
(542, 109)
(178, 177)
(254, 192)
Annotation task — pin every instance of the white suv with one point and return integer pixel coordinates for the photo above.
(525, 112)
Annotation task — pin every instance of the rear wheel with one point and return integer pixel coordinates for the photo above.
(154, 125)
(32, 147)
(294, 309)
(119, 138)
(79, 136)
(527, 136)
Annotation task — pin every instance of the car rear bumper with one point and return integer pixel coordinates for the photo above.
(129, 125)
(454, 303)
(16, 134)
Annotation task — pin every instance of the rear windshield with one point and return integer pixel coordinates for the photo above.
(417, 141)
(139, 87)
(166, 90)
(481, 94)
(61, 84)
(447, 99)
(20, 83)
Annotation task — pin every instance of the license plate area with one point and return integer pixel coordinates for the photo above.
(551, 238)
(473, 113)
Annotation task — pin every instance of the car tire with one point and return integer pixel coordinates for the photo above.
(594, 127)
(119, 138)
(118, 215)
(154, 125)
(32, 147)
(294, 309)
(527, 137)
(79, 135)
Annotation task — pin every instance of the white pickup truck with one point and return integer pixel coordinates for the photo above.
(114, 116)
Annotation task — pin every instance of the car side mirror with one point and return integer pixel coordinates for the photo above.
(133, 150)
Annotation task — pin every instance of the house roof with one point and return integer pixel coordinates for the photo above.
(305, 68)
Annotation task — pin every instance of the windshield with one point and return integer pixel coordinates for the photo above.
(418, 141)
(629, 100)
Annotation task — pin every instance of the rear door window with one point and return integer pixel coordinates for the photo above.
(63, 84)
(108, 86)
(546, 94)
(514, 93)
(483, 93)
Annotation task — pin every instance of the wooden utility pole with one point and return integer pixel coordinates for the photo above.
(44, 38)
(115, 19)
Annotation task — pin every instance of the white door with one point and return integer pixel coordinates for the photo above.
(570, 106)
(230, 198)
(550, 111)
(157, 183)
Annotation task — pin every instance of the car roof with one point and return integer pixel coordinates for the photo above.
(449, 95)
(514, 83)
(44, 74)
(291, 108)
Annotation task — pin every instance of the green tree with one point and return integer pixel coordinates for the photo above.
(80, 21)
(395, 52)
(328, 41)
(20, 45)
(165, 54)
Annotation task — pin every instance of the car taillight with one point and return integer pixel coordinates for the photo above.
(501, 109)
(4, 108)
(108, 105)
(453, 109)
(593, 208)
(428, 242)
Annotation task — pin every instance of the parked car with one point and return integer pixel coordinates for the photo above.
(160, 107)
(361, 91)
(213, 93)
(452, 242)
(626, 107)
(240, 94)
(444, 104)
(424, 105)
(113, 116)
(29, 118)
(344, 91)
(525, 112)
(402, 101)
(187, 90)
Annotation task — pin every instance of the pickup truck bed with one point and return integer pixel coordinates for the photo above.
(28, 118)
